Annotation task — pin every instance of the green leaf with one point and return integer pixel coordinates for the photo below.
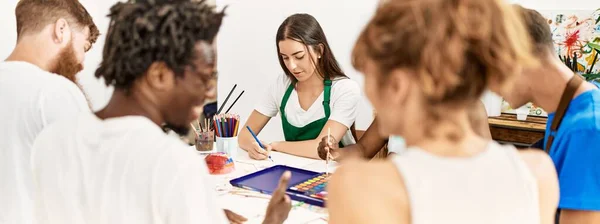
(589, 77)
(595, 46)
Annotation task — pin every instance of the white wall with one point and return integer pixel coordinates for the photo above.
(248, 55)
(246, 43)
(96, 90)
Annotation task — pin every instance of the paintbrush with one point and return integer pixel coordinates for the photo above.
(201, 125)
(328, 155)
(193, 128)
(227, 98)
(235, 101)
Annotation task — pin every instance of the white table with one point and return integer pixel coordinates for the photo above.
(253, 205)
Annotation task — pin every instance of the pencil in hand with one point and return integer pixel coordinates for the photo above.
(258, 141)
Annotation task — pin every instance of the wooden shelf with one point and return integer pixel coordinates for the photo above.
(506, 128)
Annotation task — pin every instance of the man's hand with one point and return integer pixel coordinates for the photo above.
(234, 218)
(280, 204)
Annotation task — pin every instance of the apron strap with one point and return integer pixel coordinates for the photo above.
(326, 97)
(285, 99)
(563, 105)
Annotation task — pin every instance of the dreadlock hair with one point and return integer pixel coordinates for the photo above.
(146, 31)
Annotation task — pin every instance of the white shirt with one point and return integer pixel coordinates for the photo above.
(396, 144)
(119, 170)
(494, 186)
(30, 98)
(344, 99)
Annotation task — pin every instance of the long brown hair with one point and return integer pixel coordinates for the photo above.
(305, 29)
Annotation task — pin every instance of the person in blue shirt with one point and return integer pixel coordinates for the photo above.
(574, 143)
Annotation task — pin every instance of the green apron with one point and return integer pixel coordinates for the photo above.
(309, 131)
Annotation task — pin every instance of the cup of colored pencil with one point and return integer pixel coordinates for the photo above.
(226, 128)
(205, 136)
(226, 125)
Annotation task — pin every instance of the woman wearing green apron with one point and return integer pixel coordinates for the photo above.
(313, 96)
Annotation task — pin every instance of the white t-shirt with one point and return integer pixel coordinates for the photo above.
(119, 170)
(344, 99)
(30, 99)
(396, 144)
(493, 187)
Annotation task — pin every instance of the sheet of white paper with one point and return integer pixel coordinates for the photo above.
(320, 166)
(278, 159)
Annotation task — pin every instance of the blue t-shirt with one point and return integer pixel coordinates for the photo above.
(576, 153)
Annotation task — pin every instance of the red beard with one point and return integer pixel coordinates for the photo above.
(66, 65)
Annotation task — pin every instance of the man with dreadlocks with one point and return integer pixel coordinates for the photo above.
(117, 165)
(37, 88)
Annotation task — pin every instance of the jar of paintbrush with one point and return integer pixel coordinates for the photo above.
(204, 136)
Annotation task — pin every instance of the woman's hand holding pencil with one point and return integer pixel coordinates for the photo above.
(260, 150)
(258, 153)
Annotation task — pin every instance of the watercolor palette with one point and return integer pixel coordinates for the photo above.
(314, 187)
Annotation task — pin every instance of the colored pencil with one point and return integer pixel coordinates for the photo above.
(254, 136)
(218, 123)
(229, 122)
(223, 126)
(220, 126)
(232, 126)
(237, 124)
(229, 129)
(215, 127)
(228, 126)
